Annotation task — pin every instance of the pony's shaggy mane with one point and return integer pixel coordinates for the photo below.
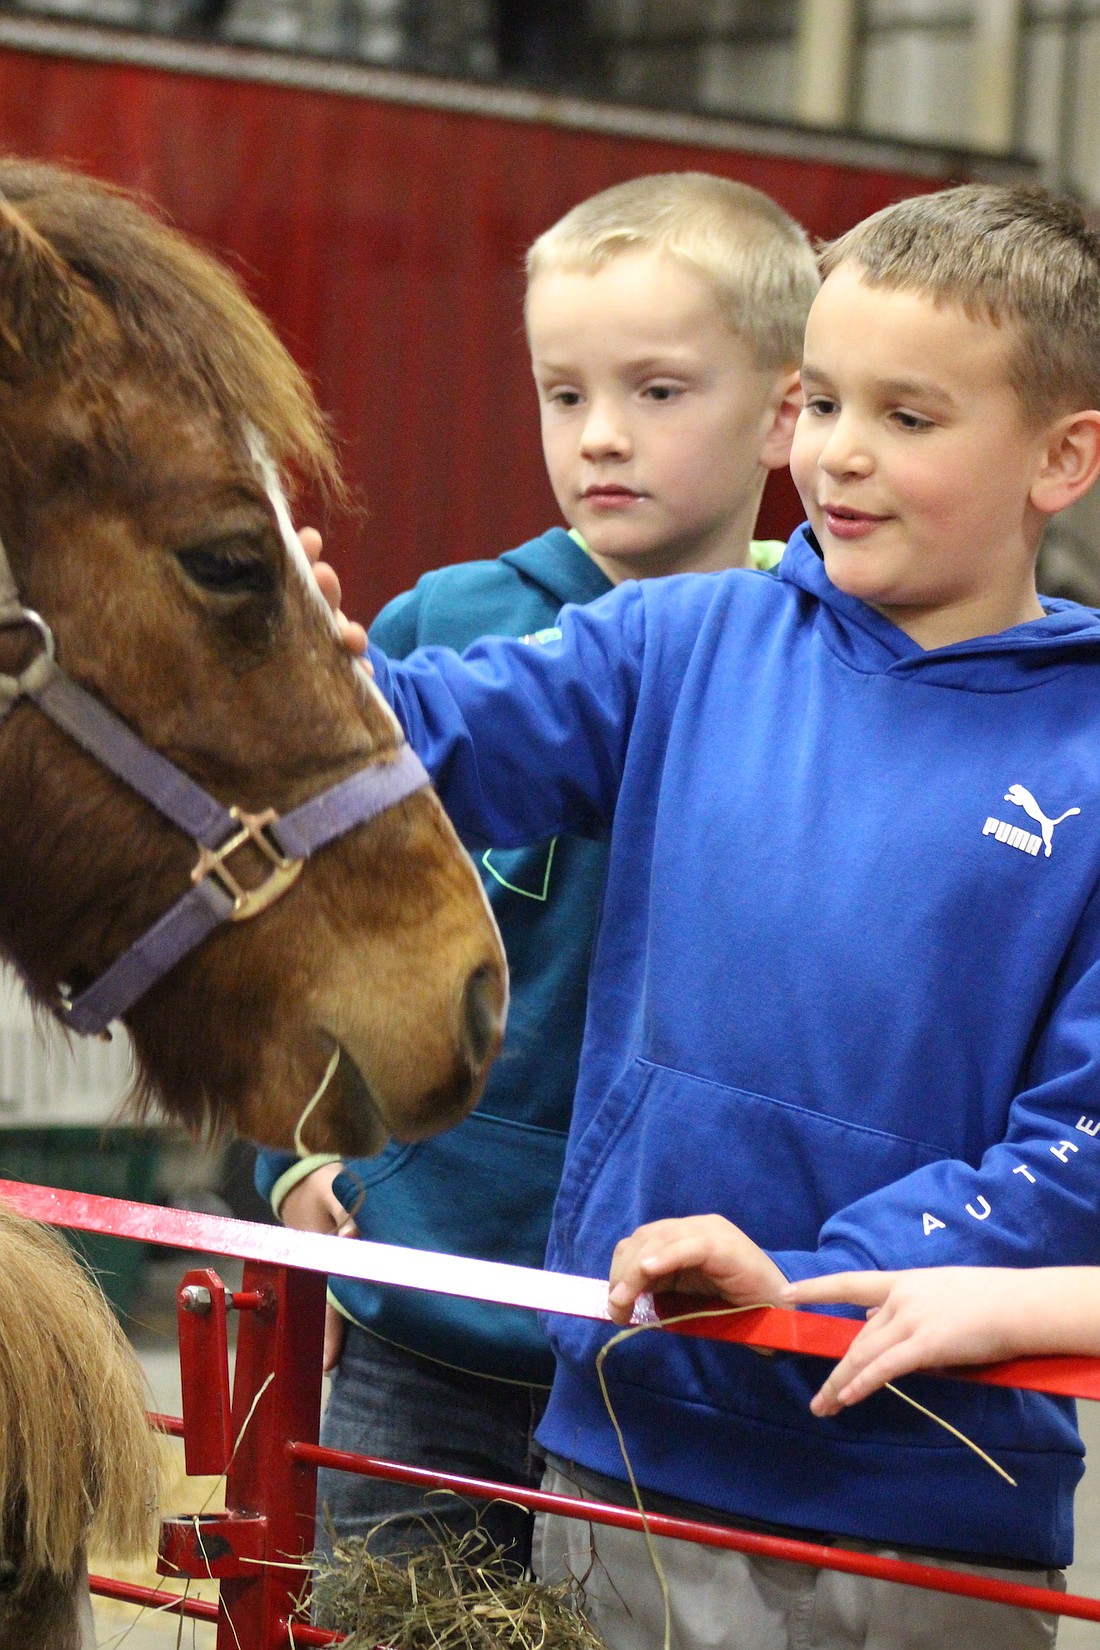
(78, 1462)
(181, 311)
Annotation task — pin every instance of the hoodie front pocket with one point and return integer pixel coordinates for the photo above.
(668, 1144)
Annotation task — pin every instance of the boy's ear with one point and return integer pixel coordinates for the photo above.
(784, 406)
(1071, 463)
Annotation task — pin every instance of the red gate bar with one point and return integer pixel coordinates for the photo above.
(810, 1333)
(173, 1604)
(170, 1425)
(822, 1557)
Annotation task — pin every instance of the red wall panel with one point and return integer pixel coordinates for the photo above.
(385, 241)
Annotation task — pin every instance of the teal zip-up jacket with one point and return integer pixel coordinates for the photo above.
(487, 1187)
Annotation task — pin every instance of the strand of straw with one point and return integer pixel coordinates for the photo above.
(616, 1340)
(954, 1431)
(144, 1609)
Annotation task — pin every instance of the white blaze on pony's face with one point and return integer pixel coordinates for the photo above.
(301, 562)
(139, 523)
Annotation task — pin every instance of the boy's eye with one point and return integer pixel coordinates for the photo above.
(911, 420)
(661, 392)
(564, 398)
(820, 406)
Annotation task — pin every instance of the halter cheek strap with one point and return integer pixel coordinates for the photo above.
(216, 896)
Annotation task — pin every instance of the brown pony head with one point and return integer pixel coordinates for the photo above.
(137, 385)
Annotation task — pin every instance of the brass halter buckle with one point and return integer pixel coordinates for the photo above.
(249, 902)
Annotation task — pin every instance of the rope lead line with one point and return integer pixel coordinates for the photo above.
(299, 1145)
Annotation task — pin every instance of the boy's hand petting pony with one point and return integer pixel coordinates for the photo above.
(931, 1318)
(697, 1255)
(353, 636)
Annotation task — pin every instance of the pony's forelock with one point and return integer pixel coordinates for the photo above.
(301, 563)
(185, 315)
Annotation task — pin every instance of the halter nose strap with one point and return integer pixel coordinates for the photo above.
(216, 830)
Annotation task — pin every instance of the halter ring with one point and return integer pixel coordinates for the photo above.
(12, 688)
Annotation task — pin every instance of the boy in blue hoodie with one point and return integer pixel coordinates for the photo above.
(869, 781)
(665, 318)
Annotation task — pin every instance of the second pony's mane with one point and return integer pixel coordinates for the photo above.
(184, 315)
(78, 1462)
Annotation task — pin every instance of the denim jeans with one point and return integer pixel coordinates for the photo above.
(391, 1403)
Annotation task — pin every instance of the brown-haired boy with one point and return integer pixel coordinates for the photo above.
(939, 1024)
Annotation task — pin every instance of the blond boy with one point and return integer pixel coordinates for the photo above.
(665, 319)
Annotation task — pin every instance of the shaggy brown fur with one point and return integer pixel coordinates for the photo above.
(132, 372)
(78, 1462)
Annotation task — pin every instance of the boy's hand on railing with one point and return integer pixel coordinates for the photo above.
(353, 636)
(934, 1317)
(312, 1206)
(697, 1255)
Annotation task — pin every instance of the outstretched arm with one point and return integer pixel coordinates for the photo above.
(933, 1317)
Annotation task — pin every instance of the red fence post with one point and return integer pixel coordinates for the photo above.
(276, 1397)
(201, 1316)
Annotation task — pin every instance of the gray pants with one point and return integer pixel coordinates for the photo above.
(723, 1600)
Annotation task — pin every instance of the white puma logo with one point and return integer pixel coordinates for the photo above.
(1023, 798)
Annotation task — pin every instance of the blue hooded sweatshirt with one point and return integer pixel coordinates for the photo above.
(903, 845)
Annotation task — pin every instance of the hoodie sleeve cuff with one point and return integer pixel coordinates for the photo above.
(297, 1173)
(798, 1264)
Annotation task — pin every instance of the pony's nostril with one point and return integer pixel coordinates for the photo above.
(484, 1022)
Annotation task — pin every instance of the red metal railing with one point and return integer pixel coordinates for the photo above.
(263, 1432)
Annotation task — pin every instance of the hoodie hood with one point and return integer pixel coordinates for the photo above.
(1007, 662)
(558, 565)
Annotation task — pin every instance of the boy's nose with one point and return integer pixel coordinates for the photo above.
(605, 433)
(845, 451)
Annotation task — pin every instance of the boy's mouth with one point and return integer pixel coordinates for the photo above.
(609, 495)
(845, 523)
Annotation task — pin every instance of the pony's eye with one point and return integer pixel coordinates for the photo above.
(226, 570)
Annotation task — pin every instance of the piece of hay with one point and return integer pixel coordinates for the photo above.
(453, 1594)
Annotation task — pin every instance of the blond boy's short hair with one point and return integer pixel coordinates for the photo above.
(756, 259)
(1016, 256)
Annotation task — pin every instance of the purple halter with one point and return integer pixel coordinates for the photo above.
(215, 896)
